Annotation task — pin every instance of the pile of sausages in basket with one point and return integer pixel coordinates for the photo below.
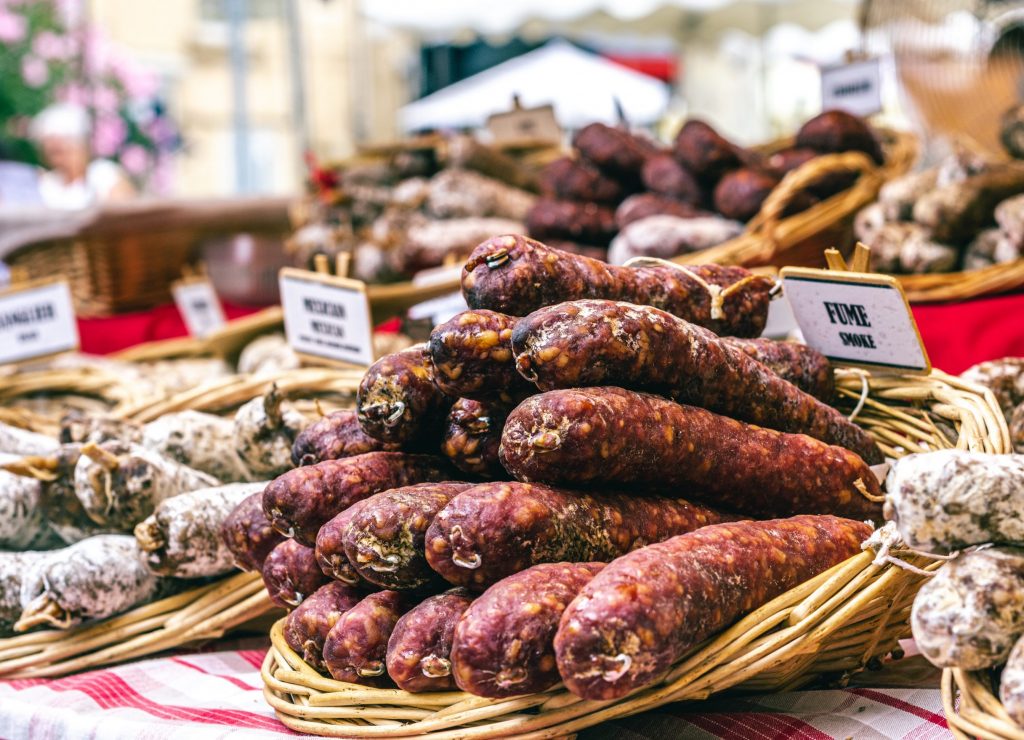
(623, 471)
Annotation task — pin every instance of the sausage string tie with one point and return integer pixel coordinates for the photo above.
(884, 539)
(863, 490)
(716, 292)
(863, 394)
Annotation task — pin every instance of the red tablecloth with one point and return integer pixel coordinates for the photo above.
(957, 335)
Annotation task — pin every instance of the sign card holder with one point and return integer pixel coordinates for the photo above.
(37, 320)
(198, 304)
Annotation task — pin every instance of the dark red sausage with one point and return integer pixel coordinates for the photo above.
(642, 205)
(306, 628)
(329, 550)
(648, 608)
(356, 646)
(248, 534)
(614, 150)
(496, 529)
(705, 152)
(383, 540)
(589, 223)
(584, 343)
(740, 194)
(300, 501)
(333, 437)
(291, 573)
(610, 436)
(575, 179)
(839, 131)
(397, 400)
(804, 367)
(517, 275)
(419, 651)
(473, 435)
(664, 175)
(472, 357)
(503, 643)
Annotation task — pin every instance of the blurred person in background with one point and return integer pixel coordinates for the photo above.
(74, 180)
(19, 183)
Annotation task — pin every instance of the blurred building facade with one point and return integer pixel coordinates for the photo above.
(354, 79)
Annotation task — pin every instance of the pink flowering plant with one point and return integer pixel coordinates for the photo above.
(48, 56)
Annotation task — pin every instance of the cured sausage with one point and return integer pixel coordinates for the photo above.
(419, 651)
(291, 573)
(330, 551)
(356, 647)
(120, 485)
(517, 275)
(586, 343)
(644, 205)
(472, 437)
(79, 427)
(306, 628)
(1004, 377)
(383, 539)
(265, 429)
(181, 537)
(611, 436)
(1011, 684)
(972, 612)
(397, 399)
(588, 223)
(248, 534)
(496, 529)
(804, 367)
(705, 152)
(503, 642)
(647, 609)
(22, 525)
(203, 442)
(614, 150)
(950, 499)
(299, 502)
(333, 437)
(472, 357)
(575, 179)
(16, 441)
(13, 566)
(664, 175)
(92, 579)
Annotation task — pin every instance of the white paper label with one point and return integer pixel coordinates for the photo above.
(854, 87)
(863, 320)
(199, 306)
(37, 321)
(327, 318)
(440, 309)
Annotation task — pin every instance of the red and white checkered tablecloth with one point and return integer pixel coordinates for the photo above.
(218, 695)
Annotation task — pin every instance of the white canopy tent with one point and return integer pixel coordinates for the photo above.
(583, 87)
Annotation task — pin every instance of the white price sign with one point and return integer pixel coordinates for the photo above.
(856, 318)
(36, 320)
(199, 306)
(855, 87)
(327, 317)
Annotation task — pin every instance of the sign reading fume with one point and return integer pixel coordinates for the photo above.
(326, 317)
(36, 320)
(856, 318)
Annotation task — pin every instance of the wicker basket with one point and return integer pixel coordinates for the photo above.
(198, 615)
(800, 239)
(959, 286)
(834, 624)
(979, 713)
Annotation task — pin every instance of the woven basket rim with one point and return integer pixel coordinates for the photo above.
(980, 713)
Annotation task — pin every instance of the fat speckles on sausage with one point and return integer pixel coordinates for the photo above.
(583, 343)
(306, 628)
(648, 608)
(291, 573)
(330, 550)
(472, 357)
(496, 529)
(804, 367)
(299, 502)
(611, 436)
(333, 437)
(503, 643)
(419, 651)
(398, 400)
(517, 275)
(356, 647)
(248, 534)
(472, 437)
(384, 538)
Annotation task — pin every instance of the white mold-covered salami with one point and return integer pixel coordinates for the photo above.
(201, 441)
(265, 429)
(182, 537)
(15, 441)
(951, 499)
(970, 614)
(12, 571)
(1004, 377)
(21, 518)
(120, 485)
(1011, 684)
(93, 579)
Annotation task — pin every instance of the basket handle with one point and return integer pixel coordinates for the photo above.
(796, 180)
